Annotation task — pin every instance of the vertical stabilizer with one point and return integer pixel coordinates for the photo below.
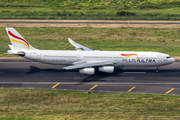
(18, 42)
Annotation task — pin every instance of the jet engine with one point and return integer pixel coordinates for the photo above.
(107, 69)
(89, 71)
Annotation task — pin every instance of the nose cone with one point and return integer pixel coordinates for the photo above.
(173, 60)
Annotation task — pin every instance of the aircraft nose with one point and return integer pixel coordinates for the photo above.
(173, 60)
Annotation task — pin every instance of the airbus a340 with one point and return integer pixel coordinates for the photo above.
(84, 58)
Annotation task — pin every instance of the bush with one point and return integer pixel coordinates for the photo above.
(125, 13)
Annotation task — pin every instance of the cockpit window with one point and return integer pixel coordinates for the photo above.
(168, 57)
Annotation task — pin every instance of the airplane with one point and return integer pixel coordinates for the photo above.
(86, 59)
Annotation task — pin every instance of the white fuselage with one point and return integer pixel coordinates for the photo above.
(84, 58)
(67, 57)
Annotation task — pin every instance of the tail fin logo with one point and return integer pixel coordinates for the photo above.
(22, 41)
(129, 55)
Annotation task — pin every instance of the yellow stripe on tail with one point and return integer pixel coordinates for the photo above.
(19, 42)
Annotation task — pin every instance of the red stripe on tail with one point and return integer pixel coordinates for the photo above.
(18, 37)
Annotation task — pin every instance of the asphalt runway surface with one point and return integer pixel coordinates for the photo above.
(27, 74)
(32, 22)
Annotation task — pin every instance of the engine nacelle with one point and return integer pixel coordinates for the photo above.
(107, 69)
(89, 71)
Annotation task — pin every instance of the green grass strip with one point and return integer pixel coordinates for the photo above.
(61, 105)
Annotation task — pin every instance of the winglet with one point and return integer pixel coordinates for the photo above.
(78, 46)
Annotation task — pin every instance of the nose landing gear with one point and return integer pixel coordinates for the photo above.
(157, 69)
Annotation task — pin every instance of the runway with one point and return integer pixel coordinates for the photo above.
(33, 22)
(27, 74)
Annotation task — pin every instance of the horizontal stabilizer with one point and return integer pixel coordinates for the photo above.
(11, 46)
(16, 52)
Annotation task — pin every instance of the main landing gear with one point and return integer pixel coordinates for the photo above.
(157, 69)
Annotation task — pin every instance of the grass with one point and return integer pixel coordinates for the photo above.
(90, 9)
(31, 104)
(19, 118)
(166, 40)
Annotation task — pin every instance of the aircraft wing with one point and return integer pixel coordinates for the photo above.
(83, 64)
(79, 47)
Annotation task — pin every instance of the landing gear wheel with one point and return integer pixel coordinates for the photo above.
(157, 70)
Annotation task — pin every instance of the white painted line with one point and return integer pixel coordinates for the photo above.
(134, 72)
(101, 83)
(18, 62)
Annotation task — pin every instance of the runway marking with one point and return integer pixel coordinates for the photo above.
(93, 87)
(101, 83)
(130, 83)
(134, 72)
(169, 90)
(131, 89)
(55, 85)
(18, 62)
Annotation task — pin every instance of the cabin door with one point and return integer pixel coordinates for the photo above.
(158, 57)
(78, 57)
(38, 56)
